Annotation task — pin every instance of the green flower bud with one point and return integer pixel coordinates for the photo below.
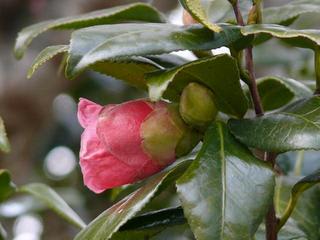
(197, 107)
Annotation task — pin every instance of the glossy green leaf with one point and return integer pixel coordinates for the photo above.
(220, 189)
(198, 12)
(45, 55)
(132, 12)
(161, 218)
(109, 222)
(286, 14)
(307, 38)
(7, 188)
(100, 43)
(296, 127)
(301, 186)
(305, 215)
(4, 142)
(51, 199)
(131, 70)
(277, 91)
(215, 72)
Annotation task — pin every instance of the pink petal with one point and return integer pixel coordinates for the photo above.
(87, 112)
(119, 130)
(100, 169)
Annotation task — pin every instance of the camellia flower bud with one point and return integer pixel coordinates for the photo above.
(124, 143)
(197, 106)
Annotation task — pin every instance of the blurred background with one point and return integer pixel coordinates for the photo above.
(40, 114)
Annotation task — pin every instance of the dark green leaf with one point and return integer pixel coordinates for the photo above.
(286, 14)
(296, 127)
(161, 218)
(307, 38)
(109, 222)
(131, 70)
(198, 12)
(7, 188)
(276, 91)
(220, 189)
(49, 197)
(100, 43)
(301, 186)
(4, 143)
(305, 215)
(215, 72)
(45, 55)
(133, 12)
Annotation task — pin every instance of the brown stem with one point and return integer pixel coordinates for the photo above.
(253, 84)
(237, 13)
(271, 219)
(271, 224)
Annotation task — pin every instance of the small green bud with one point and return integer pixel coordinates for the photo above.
(197, 107)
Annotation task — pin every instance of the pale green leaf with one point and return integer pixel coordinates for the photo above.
(52, 200)
(45, 55)
(306, 38)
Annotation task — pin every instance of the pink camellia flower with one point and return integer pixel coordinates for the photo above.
(124, 143)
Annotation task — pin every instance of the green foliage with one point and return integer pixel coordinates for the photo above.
(296, 127)
(100, 43)
(45, 55)
(286, 14)
(170, 83)
(299, 38)
(52, 200)
(107, 223)
(133, 12)
(306, 200)
(227, 190)
(301, 186)
(231, 180)
(156, 219)
(197, 11)
(7, 188)
(277, 91)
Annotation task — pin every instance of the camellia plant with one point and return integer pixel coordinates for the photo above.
(208, 126)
